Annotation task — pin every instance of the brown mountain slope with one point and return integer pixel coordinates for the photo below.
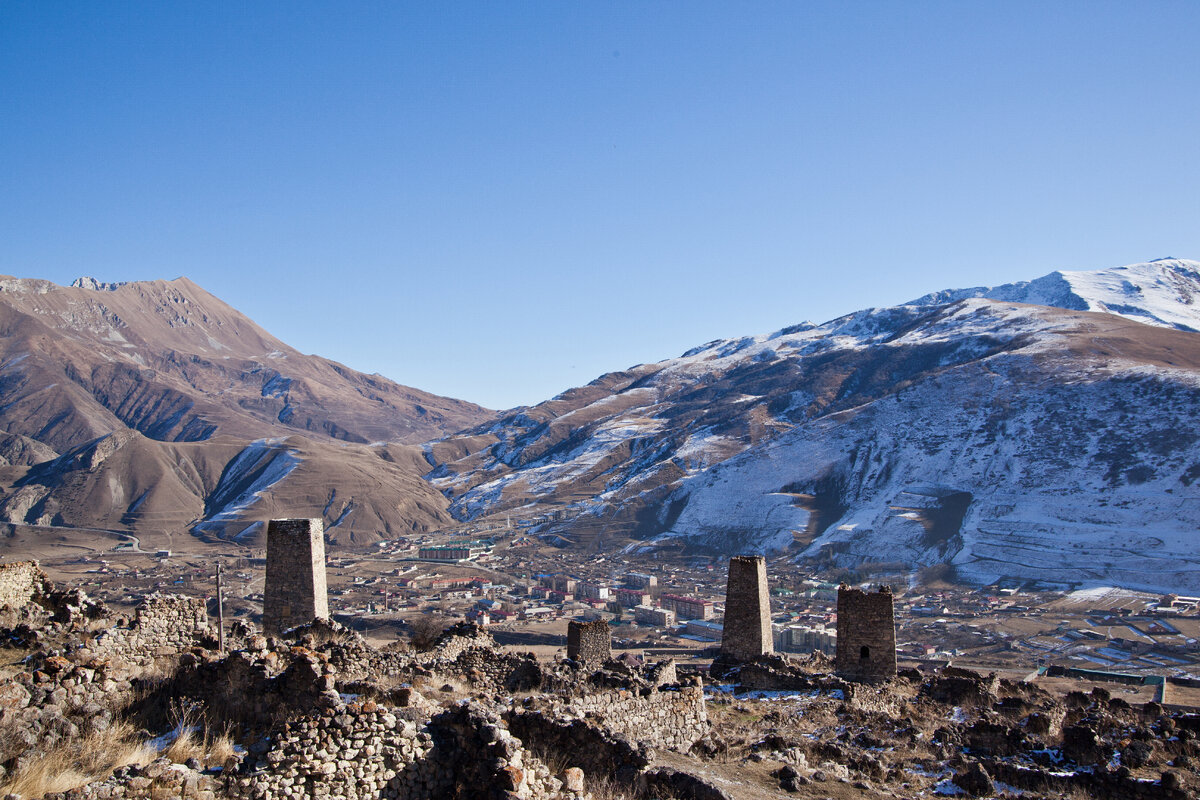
(224, 487)
(174, 413)
(168, 359)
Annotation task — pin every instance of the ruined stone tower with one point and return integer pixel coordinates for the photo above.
(866, 635)
(747, 631)
(589, 642)
(295, 591)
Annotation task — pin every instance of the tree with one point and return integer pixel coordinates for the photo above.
(425, 630)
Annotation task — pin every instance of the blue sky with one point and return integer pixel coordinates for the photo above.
(498, 201)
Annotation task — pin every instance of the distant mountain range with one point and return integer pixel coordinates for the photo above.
(1042, 430)
(153, 405)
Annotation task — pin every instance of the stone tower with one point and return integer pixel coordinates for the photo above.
(747, 631)
(589, 642)
(295, 590)
(866, 635)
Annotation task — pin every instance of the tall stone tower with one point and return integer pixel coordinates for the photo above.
(866, 635)
(295, 590)
(747, 632)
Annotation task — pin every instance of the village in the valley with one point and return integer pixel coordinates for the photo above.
(524, 592)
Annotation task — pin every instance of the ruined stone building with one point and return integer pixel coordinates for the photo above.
(295, 586)
(19, 582)
(866, 635)
(589, 642)
(747, 631)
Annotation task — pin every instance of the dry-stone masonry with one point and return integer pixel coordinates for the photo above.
(295, 589)
(163, 626)
(866, 635)
(747, 631)
(19, 582)
(673, 718)
(358, 751)
(589, 642)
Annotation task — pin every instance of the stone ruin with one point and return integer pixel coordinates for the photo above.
(295, 592)
(747, 631)
(866, 635)
(589, 642)
(20, 581)
(321, 713)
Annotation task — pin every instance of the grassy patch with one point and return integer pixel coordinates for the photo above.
(79, 762)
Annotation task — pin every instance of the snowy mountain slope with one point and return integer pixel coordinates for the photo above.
(1004, 468)
(1161, 292)
(641, 430)
(1006, 437)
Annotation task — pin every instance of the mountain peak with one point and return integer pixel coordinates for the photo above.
(86, 282)
(1162, 292)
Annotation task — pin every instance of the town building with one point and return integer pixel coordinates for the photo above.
(687, 607)
(648, 615)
(631, 598)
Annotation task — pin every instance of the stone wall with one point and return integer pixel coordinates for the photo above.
(20, 581)
(589, 642)
(866, 635)
(671, 717)
(747, 631)
(163, 626)
(57, 700)
(360, 750)
(295, 592)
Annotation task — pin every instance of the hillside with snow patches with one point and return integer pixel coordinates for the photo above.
(153, 407)
(1043, 430)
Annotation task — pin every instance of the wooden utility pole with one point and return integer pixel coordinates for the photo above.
(220, 611)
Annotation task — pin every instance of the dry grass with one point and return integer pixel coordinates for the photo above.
(209, 749)
(603, 787)
(79, 762)
(194, 739)
(554, 760)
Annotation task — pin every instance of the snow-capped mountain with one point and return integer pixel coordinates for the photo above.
(1038, 430)
(1159, 292)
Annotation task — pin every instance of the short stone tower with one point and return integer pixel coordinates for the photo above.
(589, 642)
(747, 631)
(866, 635)
(295, 590)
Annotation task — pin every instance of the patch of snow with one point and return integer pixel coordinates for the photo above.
(240, 487)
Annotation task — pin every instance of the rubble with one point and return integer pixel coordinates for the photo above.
(318, 712)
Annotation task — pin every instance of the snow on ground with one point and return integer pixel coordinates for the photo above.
(1049, 483)
(258, 467)
(1161, 292)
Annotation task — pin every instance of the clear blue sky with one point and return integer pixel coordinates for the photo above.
(498, 201)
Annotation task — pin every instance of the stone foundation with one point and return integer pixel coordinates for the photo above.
(20, 582)
(164, 626)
